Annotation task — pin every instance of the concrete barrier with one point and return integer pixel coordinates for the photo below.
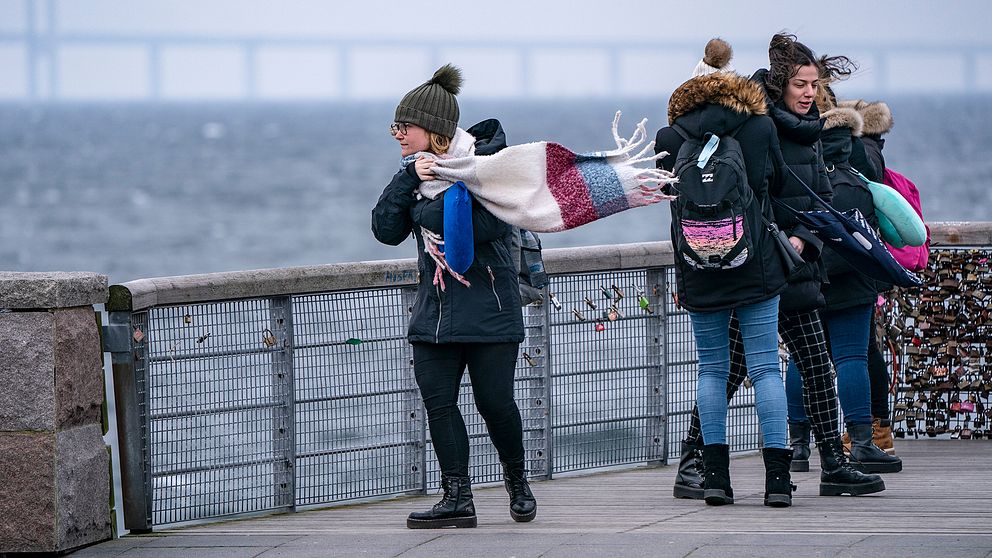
(54, 465)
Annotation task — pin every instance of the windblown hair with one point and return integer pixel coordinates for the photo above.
(438, 144)
(786, 55)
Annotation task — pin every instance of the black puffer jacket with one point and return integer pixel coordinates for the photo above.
(720, 103)
(489, 310)
(877, 118)
(799, 139)
(847, 286)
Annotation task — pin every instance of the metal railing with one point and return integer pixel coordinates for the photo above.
(272, 389)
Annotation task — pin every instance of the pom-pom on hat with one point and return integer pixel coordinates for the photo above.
(432, 105)
(716, 58)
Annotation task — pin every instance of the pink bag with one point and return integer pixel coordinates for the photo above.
(913, 258)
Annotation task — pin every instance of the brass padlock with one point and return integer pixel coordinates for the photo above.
(268, 339)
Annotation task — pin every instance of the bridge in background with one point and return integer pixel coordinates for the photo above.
(156, 67)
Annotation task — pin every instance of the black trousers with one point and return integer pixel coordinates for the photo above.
(491, 366)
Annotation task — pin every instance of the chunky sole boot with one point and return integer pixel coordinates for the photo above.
(838, 477)
(799, 440)
(523, 505)
(865, 455)
(778, 482)
(716, 460)
(455, 509)
(689, 480)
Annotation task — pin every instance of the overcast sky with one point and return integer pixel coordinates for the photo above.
(900, 45)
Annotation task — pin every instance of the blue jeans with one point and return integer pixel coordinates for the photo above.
(847, 337)
(759, 330)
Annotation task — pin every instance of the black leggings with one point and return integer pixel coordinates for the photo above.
(439, 368)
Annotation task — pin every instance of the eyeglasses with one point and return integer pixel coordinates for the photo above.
(399, 127)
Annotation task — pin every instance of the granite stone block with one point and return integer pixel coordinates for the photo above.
(82, 487)
(78, 368)
(27, 492)
(58, 289)
(27, 371)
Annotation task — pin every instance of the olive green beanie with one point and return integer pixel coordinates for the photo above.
(433, 106)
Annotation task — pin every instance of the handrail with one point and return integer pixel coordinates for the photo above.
(207, 287)
(161, 291)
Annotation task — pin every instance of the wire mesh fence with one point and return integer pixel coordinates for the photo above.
(300, 400)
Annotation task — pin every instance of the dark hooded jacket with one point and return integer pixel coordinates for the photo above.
(847, 286)
(799, 139)
(489, 310)
(877, 121)
(722, 103)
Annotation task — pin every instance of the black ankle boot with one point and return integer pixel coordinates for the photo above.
(523, 506)
(866, 456)
(799, 440)
(716, 461)
(838, 477)
(778, 482)
(454, 510)
(689, 480)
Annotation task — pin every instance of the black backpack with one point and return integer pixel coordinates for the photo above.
(715, 212)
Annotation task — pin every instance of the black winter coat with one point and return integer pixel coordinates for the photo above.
(847, 286)
(489, 310)
(799, 139)
(721, 103)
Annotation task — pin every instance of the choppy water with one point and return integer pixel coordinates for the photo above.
(135, 190)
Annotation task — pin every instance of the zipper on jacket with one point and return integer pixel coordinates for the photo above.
(437, 330)
(492, 281)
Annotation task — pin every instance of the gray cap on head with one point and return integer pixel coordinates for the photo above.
(433, 106)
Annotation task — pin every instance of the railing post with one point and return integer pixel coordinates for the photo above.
(657, 357)
(416, 452)
(284, 390)
(538, 406)
(132, 425)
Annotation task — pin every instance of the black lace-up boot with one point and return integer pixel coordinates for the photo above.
(689, 480)
(838, 477)
(865, 455)
(523, 506)
(454, 510)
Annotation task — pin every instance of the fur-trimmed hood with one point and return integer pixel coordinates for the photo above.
(728, 90)
(845, 117)
(877, 116)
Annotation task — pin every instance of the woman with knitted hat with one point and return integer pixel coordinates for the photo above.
(727, 111)
(837, 476)
(473, 321)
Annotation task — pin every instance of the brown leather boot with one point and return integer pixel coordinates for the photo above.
(845, 443)
(882, 435)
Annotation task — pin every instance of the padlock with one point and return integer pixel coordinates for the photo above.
(554, 300)
(138, 335)
(268, 339)
(590, 303)
(617, 291)
(529, 360)
(600, 326)
(187, 319)
(578, 315)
